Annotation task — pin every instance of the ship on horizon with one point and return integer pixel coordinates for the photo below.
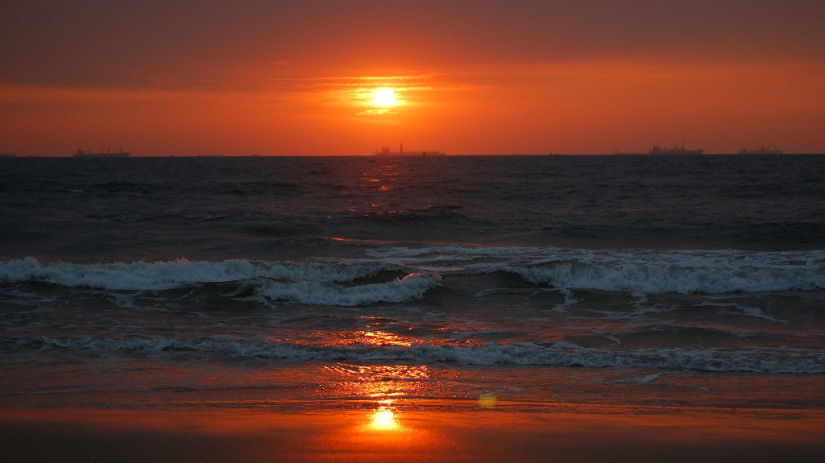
(81, 153)
(387, 152)
(677, 149)
(761, 150)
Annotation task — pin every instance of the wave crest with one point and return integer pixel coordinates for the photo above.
(645, 271)
(394, 274)
(303, 282)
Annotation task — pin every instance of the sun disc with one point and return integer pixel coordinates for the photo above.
(384, 97)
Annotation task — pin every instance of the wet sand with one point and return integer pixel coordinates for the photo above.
(413, 432)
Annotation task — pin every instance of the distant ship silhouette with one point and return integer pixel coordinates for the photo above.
(81, 153)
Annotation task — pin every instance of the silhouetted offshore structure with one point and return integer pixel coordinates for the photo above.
(387, 152)
(761, 150)
(677, 149)
(81, 153)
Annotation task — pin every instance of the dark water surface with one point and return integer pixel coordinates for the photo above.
(609, 279)
(262, 208)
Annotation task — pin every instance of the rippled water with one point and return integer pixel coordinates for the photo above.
(680, 279)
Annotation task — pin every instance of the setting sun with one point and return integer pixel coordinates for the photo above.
(384, 97)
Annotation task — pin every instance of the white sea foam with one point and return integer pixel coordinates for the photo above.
(304, 282)
(756, 360)
(640, 271)
(411, 286)
(685, 278)
(174, 274)
(646, 379)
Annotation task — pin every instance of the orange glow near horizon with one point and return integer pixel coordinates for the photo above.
(570, 107)
(460, 77)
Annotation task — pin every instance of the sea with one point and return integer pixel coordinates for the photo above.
(317, 283)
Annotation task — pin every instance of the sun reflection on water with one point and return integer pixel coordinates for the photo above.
(377, 382)
(383, 338)
(384, 419)
(363, 337)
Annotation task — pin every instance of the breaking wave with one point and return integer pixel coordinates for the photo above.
(411, 286)
(308, 283)
(396, 274)
(643, 271)
(677, 278)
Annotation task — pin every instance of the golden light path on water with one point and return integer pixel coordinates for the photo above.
(379, 384)
(385, 384)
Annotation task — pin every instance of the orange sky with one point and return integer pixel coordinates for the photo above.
(592, 76)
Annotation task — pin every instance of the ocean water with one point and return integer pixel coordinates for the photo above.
(311, 283)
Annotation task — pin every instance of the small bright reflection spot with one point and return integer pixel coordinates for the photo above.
(384, 420)
(487, 400)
